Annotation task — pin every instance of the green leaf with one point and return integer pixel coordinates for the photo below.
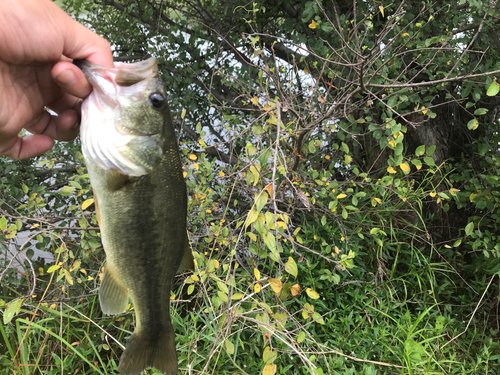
(469, 228)
(480, 111)
(25, 189)
(222, 287)
(222, 296)
(291, 267)
(430, 150)
(261, 201)
(3, 223)
(270, 241)
(417, 163)
(75, 184)
(237, 296)
(252, 217)
(301, 337)
(12, 309)
(311, 147)
(344, 147)
(257, 129)
(493, 89)
(229, 347)
(414, 350)
(317, 317)
(67, 190)
(429, 161)
(269, 356)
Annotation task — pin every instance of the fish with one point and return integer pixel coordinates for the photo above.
(131, 153)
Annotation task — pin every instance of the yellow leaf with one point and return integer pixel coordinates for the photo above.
(256, 288)
(405, 35)
(193, 157)
(256, 272)
(195, 166)
(269, 370)
(295, 289)
(53, 306)
(312, 25)
(392, 143)
(273, 120)
(276, 285)
(184, 174)
(433, 194)
(341, 195)
(312, 293)
(75, 265)
(391, 170)
(87, 203)
(327, 157)
(255, 100)
(172, 297)
(381, 8)
(306, 70)
(348, 159)
(267, 107)
(404, 167)
(195, 278)
(237, 296)
(216, 263)
(83, 271)
(281, 224)
(53, 268)
(68, 277)
(222, 174)
(472, 196)
(34, 226)
(453, 191)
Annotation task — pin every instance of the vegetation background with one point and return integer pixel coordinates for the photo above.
(342, 163)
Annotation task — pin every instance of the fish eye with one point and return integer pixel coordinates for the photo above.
(156, 100)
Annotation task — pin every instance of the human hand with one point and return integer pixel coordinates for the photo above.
(38, 41)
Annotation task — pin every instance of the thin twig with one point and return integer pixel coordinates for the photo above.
(473, 313)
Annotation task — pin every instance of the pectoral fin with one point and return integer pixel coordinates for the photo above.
(97, 211)
(113, 296)
(187, 262)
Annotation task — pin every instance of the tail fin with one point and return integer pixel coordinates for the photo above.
(145, 351)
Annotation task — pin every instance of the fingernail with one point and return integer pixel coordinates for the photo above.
(66, 78)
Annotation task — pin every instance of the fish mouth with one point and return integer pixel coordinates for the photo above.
(104, 79)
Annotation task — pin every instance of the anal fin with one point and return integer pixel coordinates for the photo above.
(187, 262)
(113, 296)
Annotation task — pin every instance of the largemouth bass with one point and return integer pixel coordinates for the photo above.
(132, 157)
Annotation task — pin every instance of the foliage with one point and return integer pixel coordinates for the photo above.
(342, 166)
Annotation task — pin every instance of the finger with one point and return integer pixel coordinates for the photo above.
(28, 147)
(64, 127)
(71, 80)
(81, 43)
